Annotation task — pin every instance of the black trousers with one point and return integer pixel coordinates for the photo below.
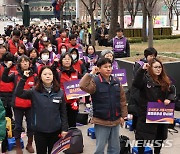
(157, 144)
(45, 141)
(72, 115)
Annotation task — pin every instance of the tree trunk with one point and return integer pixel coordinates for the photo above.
(144, 33)
(102, 11)
(132, 20)
(121, 9)
(170, 17)
(150, 30)
(177, 15)
(61, 17)
(114, 18)
(93, 30)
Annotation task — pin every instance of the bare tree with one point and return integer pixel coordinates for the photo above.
(177, 12)
(170, 6)
(144, 27)
(121, 12)
(149, 5)
(90, 8)
(20, 4)
(114, 18)
(132, 7)
(107, 8)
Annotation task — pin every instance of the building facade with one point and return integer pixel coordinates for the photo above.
(43, 9)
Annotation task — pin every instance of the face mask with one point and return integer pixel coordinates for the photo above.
(45, 57)
(45, 39)
(74, 56)
(63, 51)
(24, 41)
(1, 41)
(50, 48)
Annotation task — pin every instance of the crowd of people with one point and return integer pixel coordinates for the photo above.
(36, 61)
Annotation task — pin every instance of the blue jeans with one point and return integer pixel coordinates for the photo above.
(106, 135)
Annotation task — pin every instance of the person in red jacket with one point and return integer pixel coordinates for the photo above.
(78, 64)
(63, 39)
(73, 42)
(14, 42)
(44, 60)
(68, 73)
(22, 107)
(6, 89)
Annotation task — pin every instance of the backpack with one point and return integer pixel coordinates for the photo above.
(124, 145)
(76, 142)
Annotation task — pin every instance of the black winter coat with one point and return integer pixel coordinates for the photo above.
(150, 92)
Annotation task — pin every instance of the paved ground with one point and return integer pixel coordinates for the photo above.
(89, 144)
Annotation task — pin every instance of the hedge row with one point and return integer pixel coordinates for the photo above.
(137, 32)
(139, 39)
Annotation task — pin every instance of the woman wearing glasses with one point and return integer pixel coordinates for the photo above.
(154, 86)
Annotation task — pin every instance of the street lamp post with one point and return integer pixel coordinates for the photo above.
(26, 14)
(77, 11)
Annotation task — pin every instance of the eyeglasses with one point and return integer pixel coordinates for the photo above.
(157, 67)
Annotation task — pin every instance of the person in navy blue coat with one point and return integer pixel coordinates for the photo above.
(49, 117)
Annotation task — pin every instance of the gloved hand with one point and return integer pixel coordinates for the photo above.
(74, 105)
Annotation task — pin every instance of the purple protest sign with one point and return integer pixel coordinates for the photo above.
(121, 75)
(160, 113)
(62, 144)
(73, 91)
(80, 50)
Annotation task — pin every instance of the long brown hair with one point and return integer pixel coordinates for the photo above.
(162, 79)
(39, 85)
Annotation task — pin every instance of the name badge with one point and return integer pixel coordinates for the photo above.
(56, 101)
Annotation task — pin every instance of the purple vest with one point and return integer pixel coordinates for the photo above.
(119, 45)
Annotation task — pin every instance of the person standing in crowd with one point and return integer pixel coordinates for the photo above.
(21, 51)
(22, 107)
(44, 60)
(78, 64)
(154, 86)
(120, 44)
(109, 105)
(14, 42)
(2, 51)
(2, 42)
(68, 73)
(27, 43)
(62, 39)
(109, 54)
(73, 42)
(41, 42)
(101, 34)
(149, 54)
(6, 89)
(9, 30)
(49, 117)
(90, 59)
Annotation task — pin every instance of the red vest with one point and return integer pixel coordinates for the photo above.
(24, 103)
(60, 40)
(41, 47)
(73, 46)
(77, 66)
(12, 47)
(4, 86)
(65, 78)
